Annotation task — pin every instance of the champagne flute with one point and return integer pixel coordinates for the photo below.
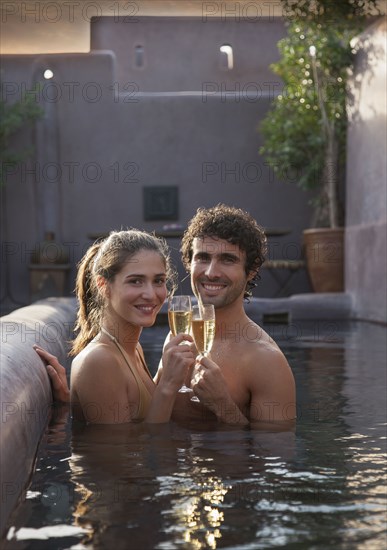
(180, 314)
(180, 320)
(203, 330)
(203, 327)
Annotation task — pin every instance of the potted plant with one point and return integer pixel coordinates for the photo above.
(305, 130)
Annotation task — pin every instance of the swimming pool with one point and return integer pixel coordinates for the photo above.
(220, 487)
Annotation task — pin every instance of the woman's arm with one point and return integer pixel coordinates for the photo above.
(102, 390)
(176, 360)
(98, 394)
(157, 376)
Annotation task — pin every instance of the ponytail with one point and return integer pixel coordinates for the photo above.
(90, 310)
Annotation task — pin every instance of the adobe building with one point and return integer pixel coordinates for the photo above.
(159, 117)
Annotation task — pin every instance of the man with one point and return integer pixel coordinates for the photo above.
(246, 378)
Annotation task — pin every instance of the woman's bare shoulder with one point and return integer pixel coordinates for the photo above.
(96, 356)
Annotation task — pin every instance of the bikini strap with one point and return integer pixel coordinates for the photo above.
(114, 339)
(139, 381)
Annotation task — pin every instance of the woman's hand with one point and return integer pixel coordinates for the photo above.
(57, 374)
(177, 359)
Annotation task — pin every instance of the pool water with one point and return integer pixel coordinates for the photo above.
(209, 486)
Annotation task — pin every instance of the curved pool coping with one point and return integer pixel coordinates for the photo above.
(25, 395)
(25, 388)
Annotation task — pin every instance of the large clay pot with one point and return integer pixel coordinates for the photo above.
(49, 269)
(324, 254)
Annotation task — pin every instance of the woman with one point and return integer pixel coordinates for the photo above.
(121, 286)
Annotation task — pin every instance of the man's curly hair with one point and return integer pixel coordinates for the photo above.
(234, 226)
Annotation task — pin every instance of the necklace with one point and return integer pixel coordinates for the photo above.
(112, 338)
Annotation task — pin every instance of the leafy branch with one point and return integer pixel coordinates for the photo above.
(305, 130)
(13, 117)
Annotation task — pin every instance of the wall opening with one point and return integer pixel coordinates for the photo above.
(227, 57)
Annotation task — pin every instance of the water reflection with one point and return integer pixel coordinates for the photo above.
(168, 484)
(195, 513)
(206, 486)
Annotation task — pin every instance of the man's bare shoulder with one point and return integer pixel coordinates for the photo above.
(261, 353)
(267, 371)
(258, 340)
(255, 350)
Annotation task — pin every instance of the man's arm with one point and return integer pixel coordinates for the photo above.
(211, 388)
(272, 388)
(270, 382)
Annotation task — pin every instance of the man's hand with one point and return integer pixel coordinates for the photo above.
(210, 387)
(57, 374)
(207, 381)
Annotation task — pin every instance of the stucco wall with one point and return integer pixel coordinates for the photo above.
(366, 230)
(183, 53)
(100, 144)
(25, 388)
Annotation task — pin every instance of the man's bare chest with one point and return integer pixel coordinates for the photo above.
(232, 363)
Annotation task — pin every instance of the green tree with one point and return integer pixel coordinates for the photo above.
(305, 130)
(13, 117)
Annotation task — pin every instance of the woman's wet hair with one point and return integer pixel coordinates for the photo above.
(106, 259)
(233, 225)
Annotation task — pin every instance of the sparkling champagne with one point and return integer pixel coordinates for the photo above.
(203, 333)
(180, 321)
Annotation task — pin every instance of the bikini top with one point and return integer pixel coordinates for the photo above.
(145, 396)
